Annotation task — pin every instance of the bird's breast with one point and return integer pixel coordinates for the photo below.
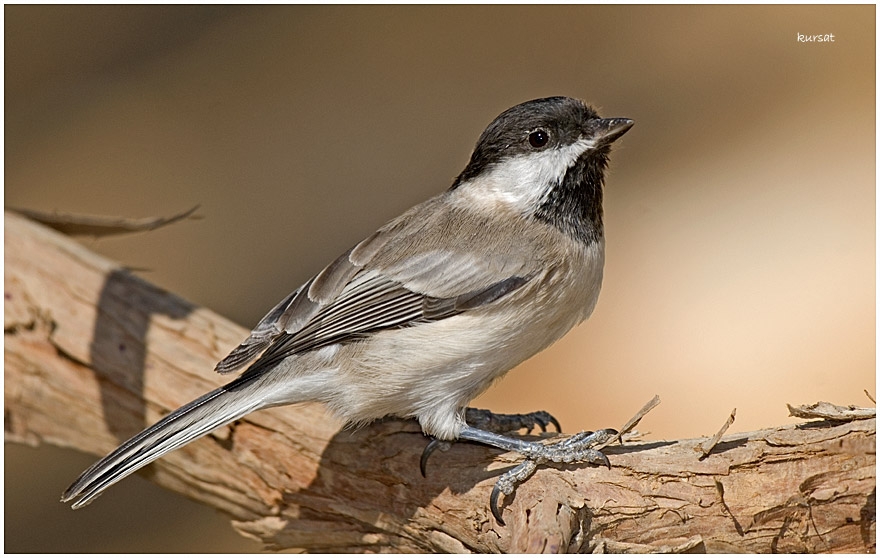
(431, 371)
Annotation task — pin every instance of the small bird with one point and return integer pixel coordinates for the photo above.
(426, 313)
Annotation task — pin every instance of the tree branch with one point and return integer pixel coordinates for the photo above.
(93, 354)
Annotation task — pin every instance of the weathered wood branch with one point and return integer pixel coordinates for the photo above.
(93, 354)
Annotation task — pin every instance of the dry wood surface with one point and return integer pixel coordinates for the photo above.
(93, 354)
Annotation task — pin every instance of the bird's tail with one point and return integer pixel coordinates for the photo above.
(193, 420)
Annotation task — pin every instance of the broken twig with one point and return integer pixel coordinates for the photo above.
(828, 411)
(99, 225)
(706, 447)
(631, 423)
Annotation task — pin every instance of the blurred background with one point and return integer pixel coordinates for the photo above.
(740, 209)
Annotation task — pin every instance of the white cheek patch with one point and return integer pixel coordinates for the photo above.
(523, 182)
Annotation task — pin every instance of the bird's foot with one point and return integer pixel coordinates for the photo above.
(575, 449)
(579, 448)
(501, 423)
(484, 419)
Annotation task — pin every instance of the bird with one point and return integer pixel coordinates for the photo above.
(426, 313)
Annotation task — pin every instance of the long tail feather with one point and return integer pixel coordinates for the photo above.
(193, 420)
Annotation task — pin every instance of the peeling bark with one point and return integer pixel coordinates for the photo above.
(93, 354)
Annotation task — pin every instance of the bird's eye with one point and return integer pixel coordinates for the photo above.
(538, 138)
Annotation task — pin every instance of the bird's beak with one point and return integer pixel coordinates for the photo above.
(605, 130)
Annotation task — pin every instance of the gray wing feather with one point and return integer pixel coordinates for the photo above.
(262, 335)
(417, 268)
(331, 280)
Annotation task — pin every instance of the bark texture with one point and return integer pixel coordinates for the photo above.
(93, 354)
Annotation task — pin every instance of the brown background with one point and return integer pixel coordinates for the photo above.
(740, 209)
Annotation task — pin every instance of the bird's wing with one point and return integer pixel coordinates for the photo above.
(420, 267)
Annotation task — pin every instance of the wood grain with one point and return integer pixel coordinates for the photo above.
(93, 354)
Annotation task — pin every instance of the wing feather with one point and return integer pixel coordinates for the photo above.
(423, 266)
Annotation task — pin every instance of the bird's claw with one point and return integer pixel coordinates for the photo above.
(433, 445)
(501, 423)
(574, 449)
(507, 483)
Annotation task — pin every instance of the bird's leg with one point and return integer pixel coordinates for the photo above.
(575, 449)
(484, 419)
(487, 428)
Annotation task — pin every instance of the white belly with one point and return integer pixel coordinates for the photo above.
(431, 371)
